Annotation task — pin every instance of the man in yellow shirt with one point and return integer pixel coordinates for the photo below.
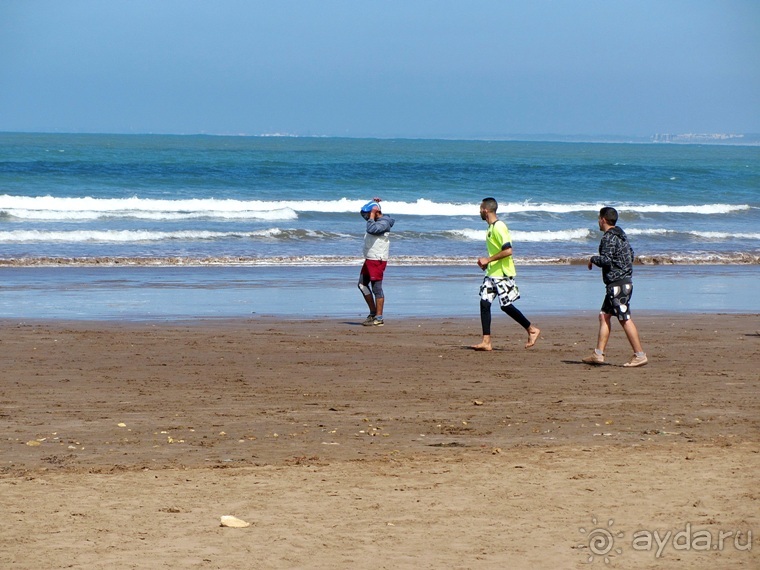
(499, 280)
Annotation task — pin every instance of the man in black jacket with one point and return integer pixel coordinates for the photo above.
(616, 260)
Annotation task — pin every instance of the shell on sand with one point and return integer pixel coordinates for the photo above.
(234, 522)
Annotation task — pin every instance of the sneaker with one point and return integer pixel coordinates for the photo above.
(636, 361)
(594, 358)
(378, 322)
(369, 321)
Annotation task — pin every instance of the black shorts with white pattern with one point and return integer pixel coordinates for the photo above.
(617, 301)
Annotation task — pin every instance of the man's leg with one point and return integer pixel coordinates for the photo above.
(633, 335)
(367, 293)
(604, 332)
(601, 342)
(519, 318)
(639, 356)
(485, 323)
(379, 303)
(377, 290)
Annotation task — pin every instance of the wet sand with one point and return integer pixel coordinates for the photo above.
(122, 445)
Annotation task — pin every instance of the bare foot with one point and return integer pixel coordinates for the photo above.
(533, 333)
(482, 346)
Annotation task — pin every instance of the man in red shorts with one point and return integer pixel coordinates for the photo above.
(376, 250)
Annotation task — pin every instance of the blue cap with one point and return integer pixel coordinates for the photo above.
(368, 207)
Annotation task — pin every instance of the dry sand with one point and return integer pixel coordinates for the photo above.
(122, 445)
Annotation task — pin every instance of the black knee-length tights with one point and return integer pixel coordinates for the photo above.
(511, 310)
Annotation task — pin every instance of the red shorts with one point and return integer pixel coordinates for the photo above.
(374, 269)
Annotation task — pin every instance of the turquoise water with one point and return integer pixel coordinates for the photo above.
(147, 293)
(117, 226)
(295, 200)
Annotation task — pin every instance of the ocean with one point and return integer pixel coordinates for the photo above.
(154, 226)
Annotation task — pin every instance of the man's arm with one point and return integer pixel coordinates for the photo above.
(606, 252)
(505, 252)
(379, 224)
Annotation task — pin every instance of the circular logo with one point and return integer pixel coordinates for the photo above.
(601, 541)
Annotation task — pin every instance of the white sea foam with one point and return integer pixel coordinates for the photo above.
(474, 235)
(560, 235)
(690, 258)
(527, 207)
(128, 236)
(79, 209)
(705, 235)
(650, 231)
(705, 209)
(727, 235)
(122, 236)
(48, 207)
(526, 236)
(275, 233)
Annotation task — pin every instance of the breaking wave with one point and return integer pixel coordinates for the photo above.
(87, 208)
(287, 234)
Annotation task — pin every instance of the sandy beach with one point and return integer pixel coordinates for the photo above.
(122, 445)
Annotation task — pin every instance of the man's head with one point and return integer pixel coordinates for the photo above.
(608, 215)
(488, 205)
(368, 209)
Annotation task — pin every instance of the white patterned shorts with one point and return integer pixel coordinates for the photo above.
(503, 287)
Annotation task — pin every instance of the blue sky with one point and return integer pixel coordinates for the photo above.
(409, 68)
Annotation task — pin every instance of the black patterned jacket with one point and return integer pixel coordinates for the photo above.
(615, 257)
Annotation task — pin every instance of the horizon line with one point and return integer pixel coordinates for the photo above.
(734, 138)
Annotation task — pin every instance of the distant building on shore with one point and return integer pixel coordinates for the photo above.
(697, 138)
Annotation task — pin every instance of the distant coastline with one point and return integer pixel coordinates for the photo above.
(707, 138)
(722, 139)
